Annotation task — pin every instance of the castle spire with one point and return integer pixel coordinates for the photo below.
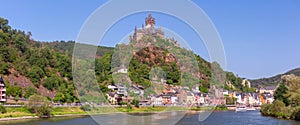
(150, 21)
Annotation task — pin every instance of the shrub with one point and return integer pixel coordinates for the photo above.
(123, 103)
(128, 107)
(136, 103)
(265, 109)
(280, 115)
(86, 107)
(2, 109)
(287, 111)
(221, 107)
(44, 111)
(39, 105)
(276, 107)
(296, 114)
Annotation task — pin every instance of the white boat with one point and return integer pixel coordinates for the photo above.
(241, 109)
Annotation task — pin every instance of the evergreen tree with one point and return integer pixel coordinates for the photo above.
(280, 94)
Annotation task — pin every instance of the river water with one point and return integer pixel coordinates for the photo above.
(216, 118)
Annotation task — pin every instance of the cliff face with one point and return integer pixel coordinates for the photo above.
(155, 56)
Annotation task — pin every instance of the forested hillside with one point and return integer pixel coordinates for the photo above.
(31, 67)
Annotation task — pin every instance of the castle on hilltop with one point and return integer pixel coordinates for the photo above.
(149, 30)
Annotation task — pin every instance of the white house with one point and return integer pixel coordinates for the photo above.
(112, 87)
(225, 92)
(137, 90)
(238, 96)
(174, 99)
(122, 70)
(122, 89)
(156, 100)
(2, 91)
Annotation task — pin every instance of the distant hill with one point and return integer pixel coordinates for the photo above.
(272, 81)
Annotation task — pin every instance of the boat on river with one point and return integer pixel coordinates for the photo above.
(241, 108)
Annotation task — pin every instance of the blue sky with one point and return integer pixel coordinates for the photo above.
(261, 38)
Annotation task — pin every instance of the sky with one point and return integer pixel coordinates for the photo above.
(261, 38)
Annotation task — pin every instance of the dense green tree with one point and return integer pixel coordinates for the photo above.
(52, 82)
(65, 94)
(4, 68)
(36, 74)
(29, 91)
(13, 90)
(203, 88)
(103, 88)
(280, 93)
(136, 103)
(64, 65)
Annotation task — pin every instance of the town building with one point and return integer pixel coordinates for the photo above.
(156, 100)
(137, 90)
(190, 98)
(2, 91)
(122, 90)
(267, 89)
(112, 98)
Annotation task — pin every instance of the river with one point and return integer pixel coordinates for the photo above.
(216, 118)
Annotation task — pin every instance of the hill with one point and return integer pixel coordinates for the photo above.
(275, 80)
(32, 67)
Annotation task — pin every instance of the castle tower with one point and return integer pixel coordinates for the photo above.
(148, 30)
(150, 21)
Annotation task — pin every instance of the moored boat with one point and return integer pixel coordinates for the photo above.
(241, 109)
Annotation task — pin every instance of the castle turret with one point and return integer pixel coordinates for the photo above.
(150, 21)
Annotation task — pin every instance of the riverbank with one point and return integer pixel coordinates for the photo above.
(23, 113)
(278, 110)
(215, 118)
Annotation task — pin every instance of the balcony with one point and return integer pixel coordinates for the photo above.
(2, 84)
(3, 100)
(3, 89)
